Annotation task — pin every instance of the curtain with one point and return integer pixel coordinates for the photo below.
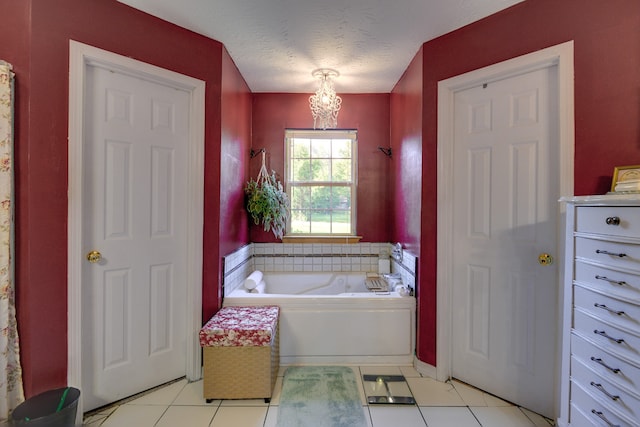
(11, 392)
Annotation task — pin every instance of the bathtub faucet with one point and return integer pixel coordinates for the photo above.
(396, 253)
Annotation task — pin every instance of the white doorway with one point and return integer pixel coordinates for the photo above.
(505, 148)
(136, 178)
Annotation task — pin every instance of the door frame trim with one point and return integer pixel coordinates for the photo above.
(561, 56)
(81, 56)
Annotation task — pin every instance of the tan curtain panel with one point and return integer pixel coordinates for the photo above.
(11, 391)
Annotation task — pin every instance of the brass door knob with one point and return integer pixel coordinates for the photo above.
(545, 259)
(94, 256)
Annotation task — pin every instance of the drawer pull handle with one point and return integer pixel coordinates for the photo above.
(610, 310)
(603, 418)
(604, 334)
(602, 389)
(600, 251)
(600, 362)
(615, 282)
(613, 220)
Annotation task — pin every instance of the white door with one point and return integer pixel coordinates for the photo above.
(134, 213)
(504, 214)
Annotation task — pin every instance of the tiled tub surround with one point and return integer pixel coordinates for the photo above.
(301, 257)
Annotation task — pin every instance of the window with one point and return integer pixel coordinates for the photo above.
(321, 182)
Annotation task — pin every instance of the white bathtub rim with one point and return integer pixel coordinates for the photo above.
(326, 302)
(245, 294)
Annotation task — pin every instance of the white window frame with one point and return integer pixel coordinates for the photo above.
(323, 134)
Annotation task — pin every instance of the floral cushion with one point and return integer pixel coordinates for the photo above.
(241, 327)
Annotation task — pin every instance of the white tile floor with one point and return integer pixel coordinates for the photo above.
(438, 405)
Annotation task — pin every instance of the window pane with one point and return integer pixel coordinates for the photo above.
(300, 221)
(341, 148)
(341, 170)
(300, 197)
(301, 170)
(321, 148)
(341, 198)
(321, 169)
(340, 222)
(321, 198)
(301, 148)
(320, 222)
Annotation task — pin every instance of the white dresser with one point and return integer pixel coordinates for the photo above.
(600, 377)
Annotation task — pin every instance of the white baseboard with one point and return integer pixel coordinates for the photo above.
(424, 368)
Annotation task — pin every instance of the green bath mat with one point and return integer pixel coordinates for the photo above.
(320, 396)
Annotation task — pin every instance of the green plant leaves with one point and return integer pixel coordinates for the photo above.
(268, 204)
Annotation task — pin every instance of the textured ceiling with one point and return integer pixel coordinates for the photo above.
(276, 44)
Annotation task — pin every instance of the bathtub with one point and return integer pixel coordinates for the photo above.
(332, 318)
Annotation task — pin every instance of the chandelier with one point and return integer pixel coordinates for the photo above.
(325, 104)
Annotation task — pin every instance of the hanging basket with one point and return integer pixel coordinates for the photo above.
(267, 201)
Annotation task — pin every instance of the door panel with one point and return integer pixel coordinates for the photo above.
(478, 307)
(505, 195)
(134, 213)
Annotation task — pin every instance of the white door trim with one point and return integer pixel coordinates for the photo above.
(560, 55)
(80, 56)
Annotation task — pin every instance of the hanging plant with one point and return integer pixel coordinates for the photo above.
(267, 201)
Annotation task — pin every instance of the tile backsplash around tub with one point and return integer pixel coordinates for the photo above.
(297, 257)
(407, 268)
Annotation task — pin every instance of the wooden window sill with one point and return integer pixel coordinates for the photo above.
(321, 239)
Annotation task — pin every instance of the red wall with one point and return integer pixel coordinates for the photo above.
(234, 158)
(38, 48)
(406, 141)
(369, 114)
(607, 101)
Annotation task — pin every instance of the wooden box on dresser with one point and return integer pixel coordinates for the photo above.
(600, 374)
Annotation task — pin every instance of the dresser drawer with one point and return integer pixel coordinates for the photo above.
(606, 365)
(617, 397)
(580, 419)
(602, 220)
(620, 255)
(615, 311)
(610, 281)
(596, 410)
(607, 336)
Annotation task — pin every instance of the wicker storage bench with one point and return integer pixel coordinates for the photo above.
(241, 353)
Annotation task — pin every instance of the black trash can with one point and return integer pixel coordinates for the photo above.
(51, 408)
